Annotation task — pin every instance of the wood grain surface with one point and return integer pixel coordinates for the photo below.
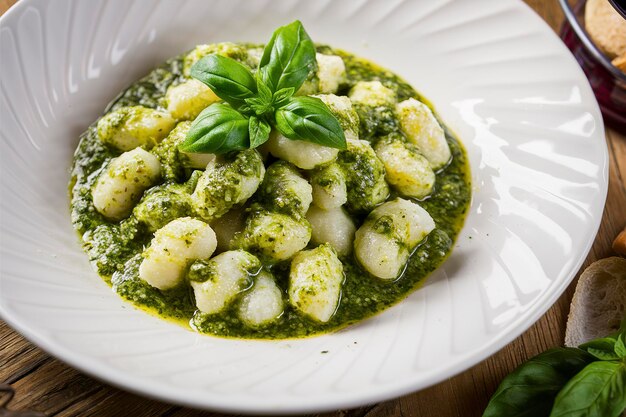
(44, 384)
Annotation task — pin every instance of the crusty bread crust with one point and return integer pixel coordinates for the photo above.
(606, 27)
(599, 303)
(619, 244)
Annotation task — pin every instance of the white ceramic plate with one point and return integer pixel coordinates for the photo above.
(496, 73)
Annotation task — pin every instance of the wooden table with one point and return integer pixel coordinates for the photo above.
(45, 384)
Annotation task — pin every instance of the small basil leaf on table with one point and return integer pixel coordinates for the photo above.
(229, 80)
(602, 348)
(259, 131)
(288, 58)
(530, 390)
(308, 118)
(599, 390)
(218, 129)
(620, 345)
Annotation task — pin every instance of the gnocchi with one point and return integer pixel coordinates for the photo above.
(227, 181)
(423, 130)
(273, 236)
(332, 226)
(186, 100)
(263, 303)
(365, 176)
(172, 248)
(284, 190)
(216, 282)
(315, 280)
(328, 185)
(305, 155)
(390, 232)
(130, 127)
(405, 168)
(123, 182)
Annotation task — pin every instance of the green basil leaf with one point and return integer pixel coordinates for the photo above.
(259, 132)
(282, 96)
(229, 80)
(288, 58)
(218, 129)
(620, 345)
(602, 348)
(599, 390)
(530, 390)
(258, 105)
(308, 118)
(263, 91)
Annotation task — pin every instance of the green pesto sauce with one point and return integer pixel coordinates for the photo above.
(115, 249)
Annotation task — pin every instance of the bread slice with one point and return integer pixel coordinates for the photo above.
(606, 27)
(599, 303)
(619, 244)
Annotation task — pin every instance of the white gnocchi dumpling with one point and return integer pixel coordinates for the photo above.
(172, 248)
(421, 128)
(173, 160)
(130, 127)
(218, 281)
(123, 182)
(263, 303)
(329, 186)
(365, 176)
(305, 155)
(341, 108)
(227, 181)
(391, 231)
(372, 94)
(332, 226)
(315, 280)
(274, 236)
(186, 100)
(227, 226)
(405, 168)
(331, 71)
(284, 190)
(227, 49)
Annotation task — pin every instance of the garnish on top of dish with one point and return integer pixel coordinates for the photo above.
(268, 192)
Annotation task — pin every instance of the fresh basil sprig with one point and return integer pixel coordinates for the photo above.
(588, 381)
(257, 102)
(530, 390)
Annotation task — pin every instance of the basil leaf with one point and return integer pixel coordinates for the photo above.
(602, 348)
(308, 118)
(263, 91)
(599, 390)
(258, 105)
(218, 129)
(620, 345)
(282, 96)
(229, 80)
(530, 390)
(288, 58)
(259, 132)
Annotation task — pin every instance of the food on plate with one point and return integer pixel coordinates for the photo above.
(599, 304)
(268, 191)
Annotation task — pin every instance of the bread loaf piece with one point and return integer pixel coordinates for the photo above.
(606, 27)
(599, 303)
(619, 244)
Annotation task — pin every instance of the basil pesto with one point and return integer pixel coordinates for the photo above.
(265, 201)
